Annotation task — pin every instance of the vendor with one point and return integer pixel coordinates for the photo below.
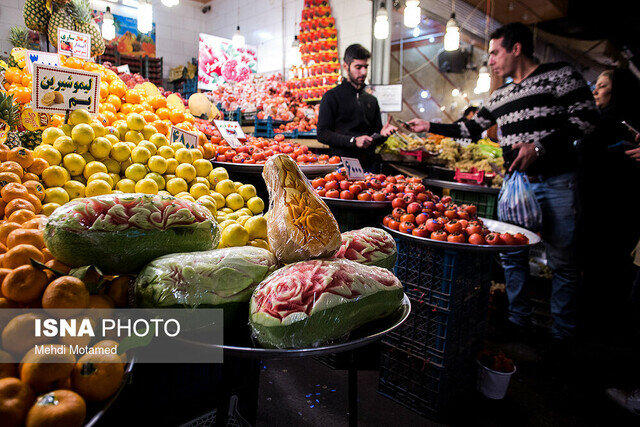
(349, 119)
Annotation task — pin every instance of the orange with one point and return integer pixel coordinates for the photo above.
(56, 120)
(3, 249)
(109, 76)
(35, 202)
(104, 89)
(176, 116)
(3, 152)
(109, 116)
(4, 272)
(21, 216)
(19, 335)
(102, 119)
(126, 108)
(107, 106)
(157, 101)
(6, 228)
(29, 177)
(7, 369)
(115, 101)
(185, 126)
(35, 188)
(36, 223)
(72, 62)
(163, 113)
(27, 80)
(22, 95)
(24, 284)
(21, 255)
(111, 344)
(121, 116)
(118, 290)
(13, 191)
(58, 408)
(21, 156)
(47, 255)
(149, 116)
(209, 150)
(44, 372)
(13, 167)
(66, 292)
(137, 108)
(133, 97)
(7, 177)
(16, 398)
(7, 303)
(17, 204)
(161, 127)
(117, 88)
(56, 265)
(26, 237)
(38, 166)
(189, 118)
(13, 75)
(97, 377)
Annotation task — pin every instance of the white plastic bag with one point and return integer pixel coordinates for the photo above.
(517, 203)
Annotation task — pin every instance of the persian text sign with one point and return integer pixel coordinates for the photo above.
(72, 43)
(353, 167)
(231, 132)
(189, 139)
(44, 58)
(57, 90)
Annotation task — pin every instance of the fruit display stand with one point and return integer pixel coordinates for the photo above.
(428, 361)
(484, 198)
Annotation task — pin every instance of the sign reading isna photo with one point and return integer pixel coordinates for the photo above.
(57, 90)
(219, 62)
(72, 43)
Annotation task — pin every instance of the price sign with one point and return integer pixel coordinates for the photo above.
(190, 140)
(124, 69)
(353, 167)
(45, 58)
(72, 43)
(231, 132)
(389, 97)
(58, 90)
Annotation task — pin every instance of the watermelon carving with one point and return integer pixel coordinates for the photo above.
(369, 246)
(311, 303)
(120, 233)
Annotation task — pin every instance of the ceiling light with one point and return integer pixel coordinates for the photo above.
(455, 92)
(238, 39)
(412, 13)
(108, 27)
(452, 35)
(131, 3)
(145, 16)
(464, 95)
(422, 109)
(416, 31)
(442, 108)
(381, 26)
(425, 94)
(170, 3)
(484, 80)
(431, 39)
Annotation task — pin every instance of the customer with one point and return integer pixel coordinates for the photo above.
(349, 117)
(468, 114)
(540, 113)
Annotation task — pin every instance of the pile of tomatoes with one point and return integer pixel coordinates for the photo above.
(258, 150)
(375, 187)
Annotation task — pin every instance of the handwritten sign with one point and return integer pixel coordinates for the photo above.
(72, 43)
(44, 58)
(189, 139)
(57, 89)
(389, 97)
(231, 132)
(353, 168)
(124, 69)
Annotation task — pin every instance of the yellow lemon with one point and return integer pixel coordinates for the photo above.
(186, 196)
(74, 163)
(82, 134)
(115, 177)
(133, 136)
(257, 227)
(140, 155)
(226, 210)
(183, 155)
(49, 135)
(196, 154)
(98, 128)
(149, 146)
(82, 149)
(172, 165)
(159, 140)
(225, 187)
(88, 157)
(227, 222)
(126, 185)
(166, 152)
(148, 131)
(208, 197)
(260, 243)
(49, 153)
(147, 186)
(157, 178)
(120, 151)
(234, 201)
(124, 165)
(112, 165)
(198, 190)
(237, 185)
(100, 148)
(65, 145)
(256, 205)
(74, 189)
(201, 180)
(111, 130)
(209, 204)
(242, 219)
(67, 128)
(102, 176)
(48, 208)
(136, 171)
(157, 164)
(94, 167)
(176, 185)
(121, 127)
(56, 195)
(168, 176)
(136, 122)
(79, 116)
(186, 172)
(55, 176)
(219, 174)
(177, 145)
(112, 139)
(234, 235)
(164, 193)
(97, 187)
(218, 198)
(247, 191)
(203, 167)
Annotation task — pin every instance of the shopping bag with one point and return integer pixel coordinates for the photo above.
(517, 203)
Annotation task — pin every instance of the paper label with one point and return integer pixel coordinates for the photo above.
(4, 131)
(44, 58)
(231, 132)
(72, 43)
(57, 89)
(32, 120)
(124, 69)
(189, 139)
(353, 168)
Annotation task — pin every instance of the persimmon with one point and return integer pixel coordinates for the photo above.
(13, 191)
(16, 399)
(6, 228)
(20, 155)
(58, 408)
(38, 166)
(12, 167)
(44, 372)
(21, 216)
(34, 224)
(17, 204)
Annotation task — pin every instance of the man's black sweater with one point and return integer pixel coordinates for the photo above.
(346, 112)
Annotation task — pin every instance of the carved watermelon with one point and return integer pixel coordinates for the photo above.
(369, 246)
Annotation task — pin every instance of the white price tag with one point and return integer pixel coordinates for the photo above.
(124, 69)
(353, 168)
(72, 43)
(190, 140)
(44, 58)
(231, 132)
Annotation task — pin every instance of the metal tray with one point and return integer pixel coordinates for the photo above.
(244, 346)
(103, 407)
(255, 169)
(497, 226)
(356, 203)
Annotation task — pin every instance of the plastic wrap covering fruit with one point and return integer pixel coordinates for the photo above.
(300, 226)
(203, 279)
(121, 233)
(369, 246)
(312, 303)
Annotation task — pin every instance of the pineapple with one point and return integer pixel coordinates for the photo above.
(81, 13)
(30, 139)
(60, 18)
(36, 15)
(19, 39)
(10, 112)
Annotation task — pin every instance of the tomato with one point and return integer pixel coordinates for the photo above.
(380, 177)
(422, 197)
(323, 157)
(493, 239)
(346, 195)
(243, 149)
(375, 184)
(408, 197)
(429, 205)
(329, 177)
(321, 192)
(334, 194)
(456, 237)
(287, 149)
(258, 156)
(419, 187)
(440, 207)
(400, 178)
(302, 158)
(391, 180)
(318, 182)
(331, 185)
(398, 203)
(508, 239)
(433, 225)
(522, 239)
(355, 188)
(414, 208)
(361, 184)
(451, 214)
(472, 210)
(344, 185)
(393, 224)
(386, 219)
(364, 196)
(464, 223)
(338, 176)
(463, 214)
(392, 188)
(408, 217)
(279, 137)
(422, 218)
(397, 213)
(439, 235)
(240, 158)
(476, 239)
(420, 231)
(389, 197)
(379, 197)
(334, 160)
(473, 229)
(406, 227)
(446, 199)
(453, 226)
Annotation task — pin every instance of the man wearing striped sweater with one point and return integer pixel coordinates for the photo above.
(541, 113)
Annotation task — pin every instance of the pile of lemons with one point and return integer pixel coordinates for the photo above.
(88, 159)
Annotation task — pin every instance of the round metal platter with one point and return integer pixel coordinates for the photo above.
(356, 203)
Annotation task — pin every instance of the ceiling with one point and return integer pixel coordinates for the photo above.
(525, 11)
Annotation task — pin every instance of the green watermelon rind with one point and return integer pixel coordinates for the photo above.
(129, 250)
(327, 325)
(387, 262)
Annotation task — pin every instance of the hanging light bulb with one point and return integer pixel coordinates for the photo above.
(170, 3)
(145, 16)
(296, 42)
(484, 80)
(416, 32)
(381, 27)
(238, 39)
(412, 13)
(455, 92)
(452, 35)
(108, 27)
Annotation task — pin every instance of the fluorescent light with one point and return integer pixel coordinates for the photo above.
(381, 26)
(484, 80)
(431, 39)
(425, 94)
(455, 92)
(452, 36)
(108, 27)
(170, 3)
(238, 39)
(412, 13)
(464, 95)
(145, 16)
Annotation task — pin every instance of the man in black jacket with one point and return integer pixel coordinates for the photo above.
(349, 118)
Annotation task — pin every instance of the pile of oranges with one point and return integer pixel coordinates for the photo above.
(20, 187)
(18, 84)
